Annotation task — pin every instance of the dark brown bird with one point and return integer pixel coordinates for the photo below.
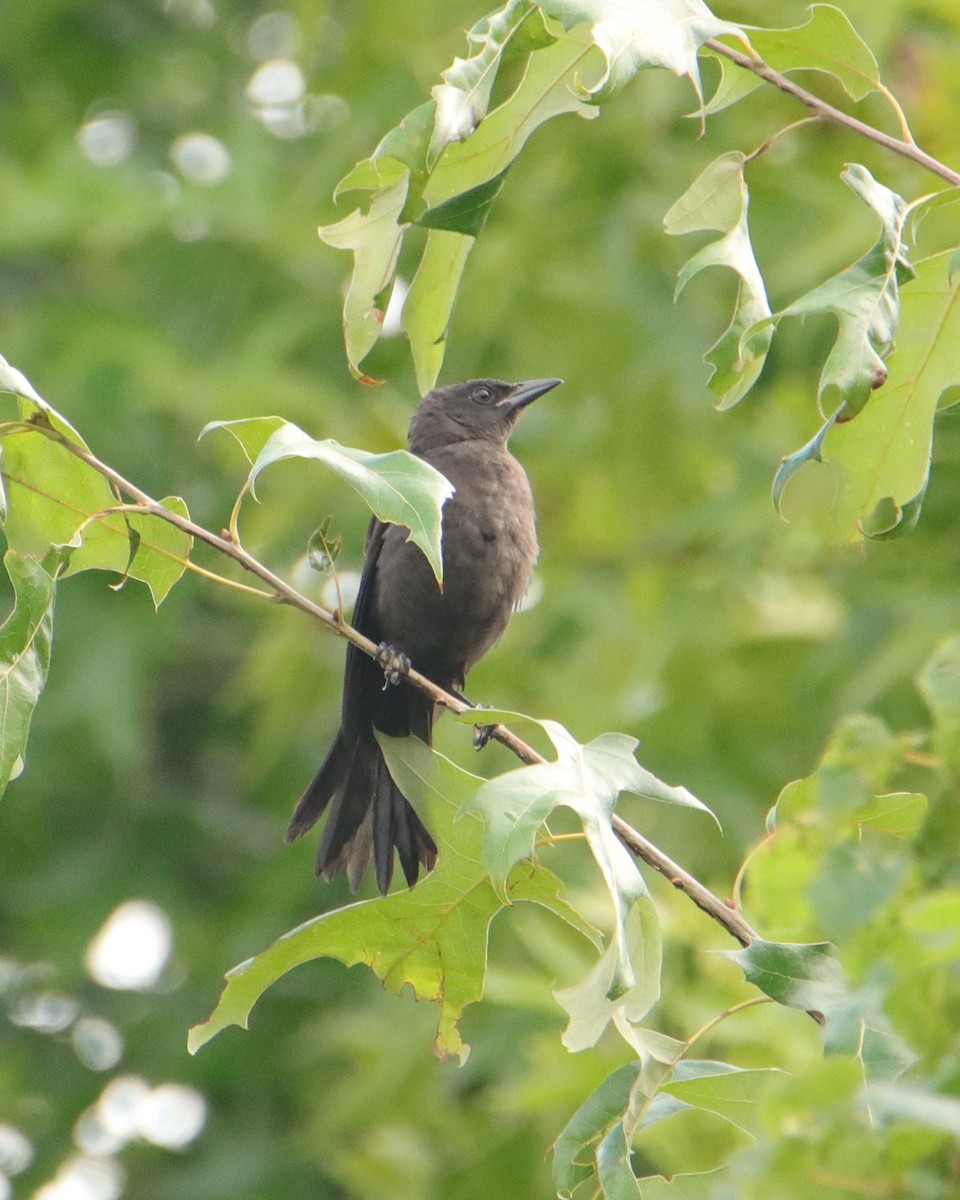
(489, 550)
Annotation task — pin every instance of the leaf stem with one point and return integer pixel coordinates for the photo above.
(721, 911)
(906, 147)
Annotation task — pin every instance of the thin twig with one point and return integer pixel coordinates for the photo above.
(905, 148)
(712, 905)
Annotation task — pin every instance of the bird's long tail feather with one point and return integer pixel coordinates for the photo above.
(370, 817)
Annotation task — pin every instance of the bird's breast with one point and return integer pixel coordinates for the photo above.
(489, 550)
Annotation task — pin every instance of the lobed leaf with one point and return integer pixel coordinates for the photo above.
(596, 1000)
(588, 779)
(884, 455)
(421, 172)
(826, 42)
(432, 938)
(462, 99)
(718, 200)
(864, 298)
(662, 33)
(732, 1093)
(374, 237)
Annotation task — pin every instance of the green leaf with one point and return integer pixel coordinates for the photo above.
(545, 91)
(730, 1092)
(854, 880)
(399, 487)
(162, 549)
(827, 42)
(865, 299)
(807, 977)
(939, 684)
(25, 639)
(887, 1102)
(812, 451)
(858, 1027)
(597, 999)
(574, 1151)
(374, 238)
(250, 433)
(885, 453)
(900, 813)
(429, 303)
(53, 498)
(718, 200)
(432, 938)
(467, 212)
(464, 95)
(587, 779)
(450, 192)
(614, 1173)
(630, 36)
(14, 381)
(701, 1185)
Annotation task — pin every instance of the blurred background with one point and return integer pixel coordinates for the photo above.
(164, 166)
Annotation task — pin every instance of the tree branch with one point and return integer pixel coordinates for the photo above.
(724, 913)
(905, 148)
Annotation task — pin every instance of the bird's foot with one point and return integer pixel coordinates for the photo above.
(395, 666)
(482, 733)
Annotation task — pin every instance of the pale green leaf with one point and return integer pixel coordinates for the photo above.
(398, 486)
(25, 639)
(14, 381)
(865, 300)
(701, 1185)
(614, 1173)
(374, 237)
(596, 1000)
(464, 95)
(545, 91)
(588, 779)
(886, 1102)
(427, 308)
(718, 200)
(828, 42)
(667, 33)
(900, 813)
(730, 1092)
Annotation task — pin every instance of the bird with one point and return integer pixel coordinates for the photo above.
(489, 545)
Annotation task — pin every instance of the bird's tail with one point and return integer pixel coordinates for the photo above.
(370, 817)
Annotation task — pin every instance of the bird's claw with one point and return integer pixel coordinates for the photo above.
(395, 666)
(482, 733)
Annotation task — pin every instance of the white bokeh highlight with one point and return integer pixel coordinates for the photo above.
(201, 158)
(132, 948)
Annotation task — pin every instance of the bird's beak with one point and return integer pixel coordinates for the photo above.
(525, 393)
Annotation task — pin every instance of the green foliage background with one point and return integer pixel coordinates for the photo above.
(676, 605)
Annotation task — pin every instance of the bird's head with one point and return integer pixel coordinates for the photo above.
(478, 410)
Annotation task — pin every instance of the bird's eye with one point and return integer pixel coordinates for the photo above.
(482, 394)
